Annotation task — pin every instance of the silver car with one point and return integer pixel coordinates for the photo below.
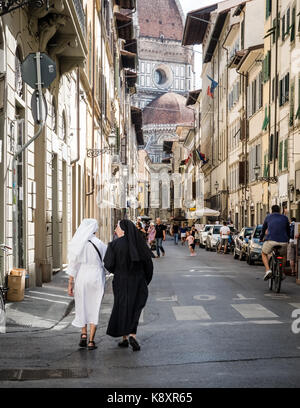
(203, 235)
(212, 238)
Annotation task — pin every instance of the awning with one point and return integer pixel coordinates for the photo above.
(194, 29)
(128, 59)
(250, 57)
(126, 4)
(124, 26)
(137, 121)
(131, 46)
(237, 58)
(140, 137)
(167, 146)
(131, 77)
(218, 27)
(136, 116)
(207, 212)
(193, 97)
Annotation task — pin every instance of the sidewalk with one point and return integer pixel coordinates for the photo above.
(43, 308)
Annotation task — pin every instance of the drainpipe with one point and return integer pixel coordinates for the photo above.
(227, 150)
(275, 139)
(93, 102)
(78, 116)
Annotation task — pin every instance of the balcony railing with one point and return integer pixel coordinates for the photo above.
(80, 14)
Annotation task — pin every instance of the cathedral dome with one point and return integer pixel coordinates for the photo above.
(168, 109)
(160, 18)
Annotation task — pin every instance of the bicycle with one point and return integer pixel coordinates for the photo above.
(276, 266)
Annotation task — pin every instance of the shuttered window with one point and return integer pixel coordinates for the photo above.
(268, 8)
(280, 156)
(293, 26)
(285, 156)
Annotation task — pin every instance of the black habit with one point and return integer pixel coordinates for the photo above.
(130, 286)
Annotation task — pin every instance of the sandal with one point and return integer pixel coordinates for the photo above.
(134, 344)
(93, 347)
(123, 343)
(83, 340)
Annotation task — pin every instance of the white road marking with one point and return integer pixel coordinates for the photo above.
(48, 294)
(168, 299)
(295, 305)
(209, 276)
(106, 310)
(239, 323)
(47, 300)
(142, 317)
(241, 297)
(277, 296)
(204, 297)
(253, 310)
(190, 313)
(61, 326)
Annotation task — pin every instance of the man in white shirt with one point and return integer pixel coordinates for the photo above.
(224, 234)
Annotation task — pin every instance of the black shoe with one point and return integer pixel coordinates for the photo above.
(93, 347)
(123, 343)
(83, 341)
(134, 344)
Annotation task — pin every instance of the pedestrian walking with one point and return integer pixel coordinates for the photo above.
(141, 229)
(291, 250)
(129, 259)
(190, 240)
(160, 237)
(224, 236)
(183, 231)
(175, 233)
(86, 269)
(197, 238)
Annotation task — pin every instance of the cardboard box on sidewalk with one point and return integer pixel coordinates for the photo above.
(16, 285)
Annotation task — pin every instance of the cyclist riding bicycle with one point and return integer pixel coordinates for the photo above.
(278, 234)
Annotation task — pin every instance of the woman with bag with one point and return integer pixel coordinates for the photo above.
(129, 259)
(86, 268)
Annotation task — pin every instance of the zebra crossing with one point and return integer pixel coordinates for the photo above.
(209, 314)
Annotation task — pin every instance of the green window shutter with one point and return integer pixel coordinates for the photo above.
(283, 28)
(288, 21)
(285, 162)
(268, 8)
(268, 65)
(266, 119)
(292, 104)
(280, 156)
(293, 26)
(265, 166)
(271, 142)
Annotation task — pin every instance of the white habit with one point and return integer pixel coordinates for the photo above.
(89, 276)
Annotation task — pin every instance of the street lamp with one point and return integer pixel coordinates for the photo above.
(271, 180)
(256, 172)
(112, 139)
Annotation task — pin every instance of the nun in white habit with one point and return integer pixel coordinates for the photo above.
(86, 269)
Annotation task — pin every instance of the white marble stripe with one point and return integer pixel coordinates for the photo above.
(253, 310)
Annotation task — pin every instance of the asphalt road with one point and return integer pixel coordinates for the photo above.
(210, 321)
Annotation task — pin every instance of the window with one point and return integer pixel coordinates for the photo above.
(268, 8)
(285, 156)
(19, 89)
(280, 156)
(292, 104)
(267, 66)
(284, 90)
(293, 26)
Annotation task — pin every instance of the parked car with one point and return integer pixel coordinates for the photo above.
(212, 238)
(254, 247)
(241, 243)
(203, 235)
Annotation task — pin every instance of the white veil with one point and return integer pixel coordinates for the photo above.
(84, 232)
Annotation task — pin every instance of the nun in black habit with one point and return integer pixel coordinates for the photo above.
(129, 259)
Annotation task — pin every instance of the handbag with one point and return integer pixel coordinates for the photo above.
(97, 251)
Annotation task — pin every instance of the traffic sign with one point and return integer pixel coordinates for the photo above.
(30, 74)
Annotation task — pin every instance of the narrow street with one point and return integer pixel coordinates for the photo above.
(210, 321)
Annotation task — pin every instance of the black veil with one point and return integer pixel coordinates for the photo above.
(138, 249)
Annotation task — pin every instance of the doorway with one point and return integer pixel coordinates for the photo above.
(56, 252)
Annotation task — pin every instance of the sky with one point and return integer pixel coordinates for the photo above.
(189, 5)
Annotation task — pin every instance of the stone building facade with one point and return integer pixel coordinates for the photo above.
(76, 166)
